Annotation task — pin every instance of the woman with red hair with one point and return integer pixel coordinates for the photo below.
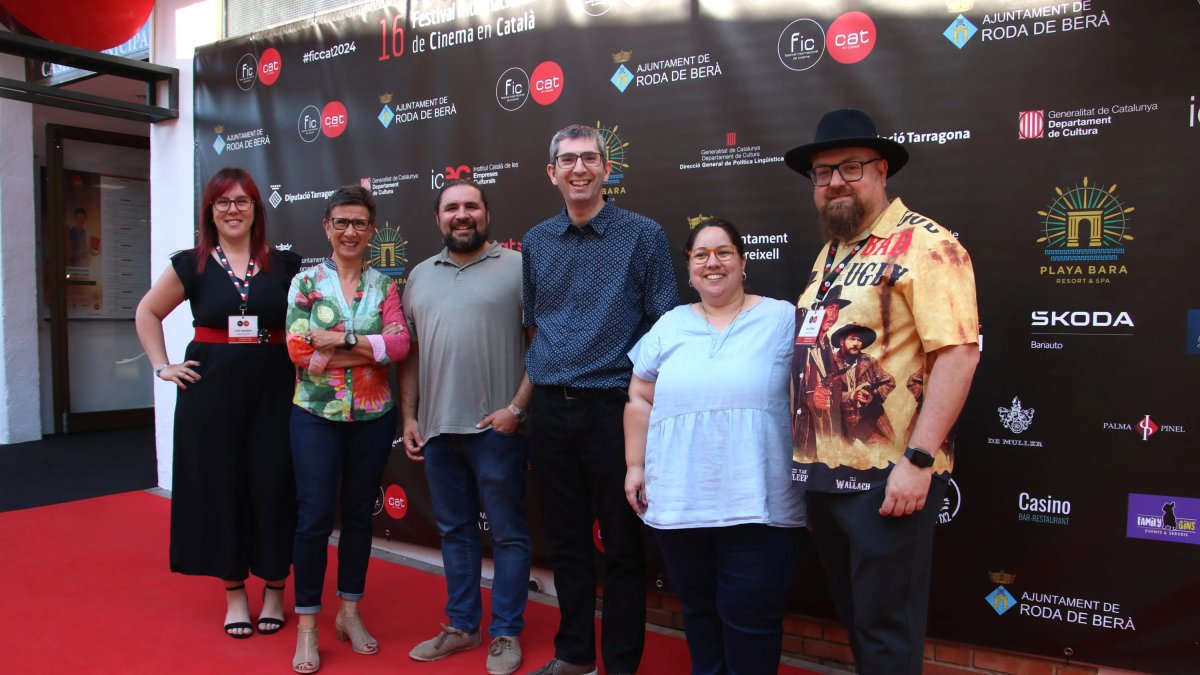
(233, 495)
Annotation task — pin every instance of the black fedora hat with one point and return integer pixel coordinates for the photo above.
(834, 297)
(865, 334)
(846, 128)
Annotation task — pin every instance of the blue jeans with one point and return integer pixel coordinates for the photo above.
(324, 452)
(464, 472)
(734, 585)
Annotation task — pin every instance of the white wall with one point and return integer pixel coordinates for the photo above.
(19, 280)
(179, 27)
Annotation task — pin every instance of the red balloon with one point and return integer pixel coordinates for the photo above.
(95, 24)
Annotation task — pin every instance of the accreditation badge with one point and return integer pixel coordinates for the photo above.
(243, 328)
(808, 324)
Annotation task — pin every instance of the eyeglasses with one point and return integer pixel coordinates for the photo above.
(700, 256)
(242, 204)
(850, 171)
(359, 224)
(567, 159)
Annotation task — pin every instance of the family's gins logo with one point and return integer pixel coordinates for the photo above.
(1164, 518)
(1088, 224)
(389, 251)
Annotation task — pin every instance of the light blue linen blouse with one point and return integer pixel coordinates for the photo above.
(719, 444)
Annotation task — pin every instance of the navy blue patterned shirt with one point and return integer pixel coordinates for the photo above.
(592, 292)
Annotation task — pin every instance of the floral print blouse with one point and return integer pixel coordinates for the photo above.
(316, 302)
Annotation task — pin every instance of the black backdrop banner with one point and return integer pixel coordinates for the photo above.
(1057, 140)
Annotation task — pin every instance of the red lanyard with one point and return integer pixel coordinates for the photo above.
(242, 287)
(831, 276)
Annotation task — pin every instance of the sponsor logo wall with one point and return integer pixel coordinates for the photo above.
(1055, 140)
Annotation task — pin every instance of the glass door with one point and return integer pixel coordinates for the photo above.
(97, 238)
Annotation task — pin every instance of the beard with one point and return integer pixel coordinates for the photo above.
(842, 220)
(477, 240)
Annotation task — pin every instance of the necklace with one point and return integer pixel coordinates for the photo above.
(715, 339)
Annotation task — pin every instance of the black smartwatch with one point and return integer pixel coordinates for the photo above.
(350, 340)
(919, 457)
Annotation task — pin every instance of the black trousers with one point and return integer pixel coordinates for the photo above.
(878, 572)
(577, 446)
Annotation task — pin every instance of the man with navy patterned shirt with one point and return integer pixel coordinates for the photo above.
(595, 278)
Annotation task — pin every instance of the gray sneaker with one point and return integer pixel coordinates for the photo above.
(560, 667)
(504, 655)
(449, 641)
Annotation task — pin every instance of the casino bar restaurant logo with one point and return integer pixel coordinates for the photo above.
(1084, 230)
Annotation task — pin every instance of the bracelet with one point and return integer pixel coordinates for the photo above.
(158, 370)
(518, 412)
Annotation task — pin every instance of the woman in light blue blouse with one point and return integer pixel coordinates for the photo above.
(708, 448)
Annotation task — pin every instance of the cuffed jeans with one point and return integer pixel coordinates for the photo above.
(733, 583)
(324, 452)
(878, 571)
(577, 442)
(465, 472)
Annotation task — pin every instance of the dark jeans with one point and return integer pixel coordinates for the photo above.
(578, 451)
(324, 452)
(467, 472)
(734, 584)
(878, 572)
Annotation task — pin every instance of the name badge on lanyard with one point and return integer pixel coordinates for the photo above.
(810, 327)
(243, 328)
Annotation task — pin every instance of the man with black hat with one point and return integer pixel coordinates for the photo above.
(908, 284)
(863, 386)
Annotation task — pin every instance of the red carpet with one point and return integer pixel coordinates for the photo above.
(88, 590)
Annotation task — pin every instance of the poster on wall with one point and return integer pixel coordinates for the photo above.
(106, 227)
(1054, 140)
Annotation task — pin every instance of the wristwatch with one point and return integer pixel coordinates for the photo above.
(919, 457)
(350, 340)
(518, 412)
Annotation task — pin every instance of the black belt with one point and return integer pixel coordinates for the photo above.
(574, 393)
